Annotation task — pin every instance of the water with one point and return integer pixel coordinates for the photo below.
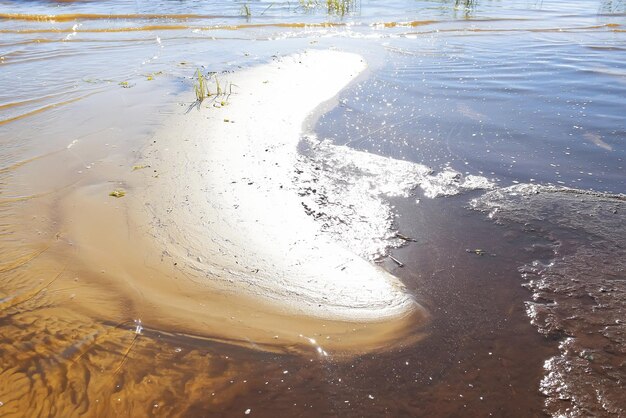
(521, 108)
(578, 295)
(526, 96)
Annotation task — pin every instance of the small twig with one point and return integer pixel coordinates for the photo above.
(405, 238)
(127, 353)
(268, 7)
(396, 261)
(477, 251)
(230, 90)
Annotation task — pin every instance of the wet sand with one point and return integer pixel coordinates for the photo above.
(226, 198)
(212, 231)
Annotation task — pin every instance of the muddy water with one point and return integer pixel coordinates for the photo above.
(523, 93)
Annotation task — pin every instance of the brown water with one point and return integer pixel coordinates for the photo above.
(578, 296)
(522, 93)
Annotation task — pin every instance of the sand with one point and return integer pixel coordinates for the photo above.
(225, 203)
(212, 241)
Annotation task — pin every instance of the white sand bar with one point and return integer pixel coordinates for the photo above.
(226, 205)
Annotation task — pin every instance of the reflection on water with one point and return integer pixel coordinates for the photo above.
(79, 38)
(542, 110)
(523, 92)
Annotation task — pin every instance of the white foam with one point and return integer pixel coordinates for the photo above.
(347, 192)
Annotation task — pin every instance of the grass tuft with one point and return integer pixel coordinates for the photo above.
(203, 91)
(334, 7)
(245, 11)
(200, 87)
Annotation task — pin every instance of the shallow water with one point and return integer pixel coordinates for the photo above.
(528, 93)
(578, 296)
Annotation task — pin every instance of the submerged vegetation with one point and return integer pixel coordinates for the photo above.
(338, 7)
(245, 10)
(332, 7)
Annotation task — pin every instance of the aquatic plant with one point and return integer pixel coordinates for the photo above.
(217, 86)
(200, 87)
(467, 7)
(338, 7)
(612, 6)
(245, 10)
(202, 90)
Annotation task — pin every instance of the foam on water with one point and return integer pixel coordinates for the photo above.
(347, 192)
(579, 297)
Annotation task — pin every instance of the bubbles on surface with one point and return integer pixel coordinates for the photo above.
(579, 297)
(347, 192)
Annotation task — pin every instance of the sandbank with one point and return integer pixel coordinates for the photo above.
(212, 239)
(227, 201)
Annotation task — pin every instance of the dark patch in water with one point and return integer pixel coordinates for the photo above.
(579, 297)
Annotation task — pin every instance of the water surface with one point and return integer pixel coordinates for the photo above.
(525, 93)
